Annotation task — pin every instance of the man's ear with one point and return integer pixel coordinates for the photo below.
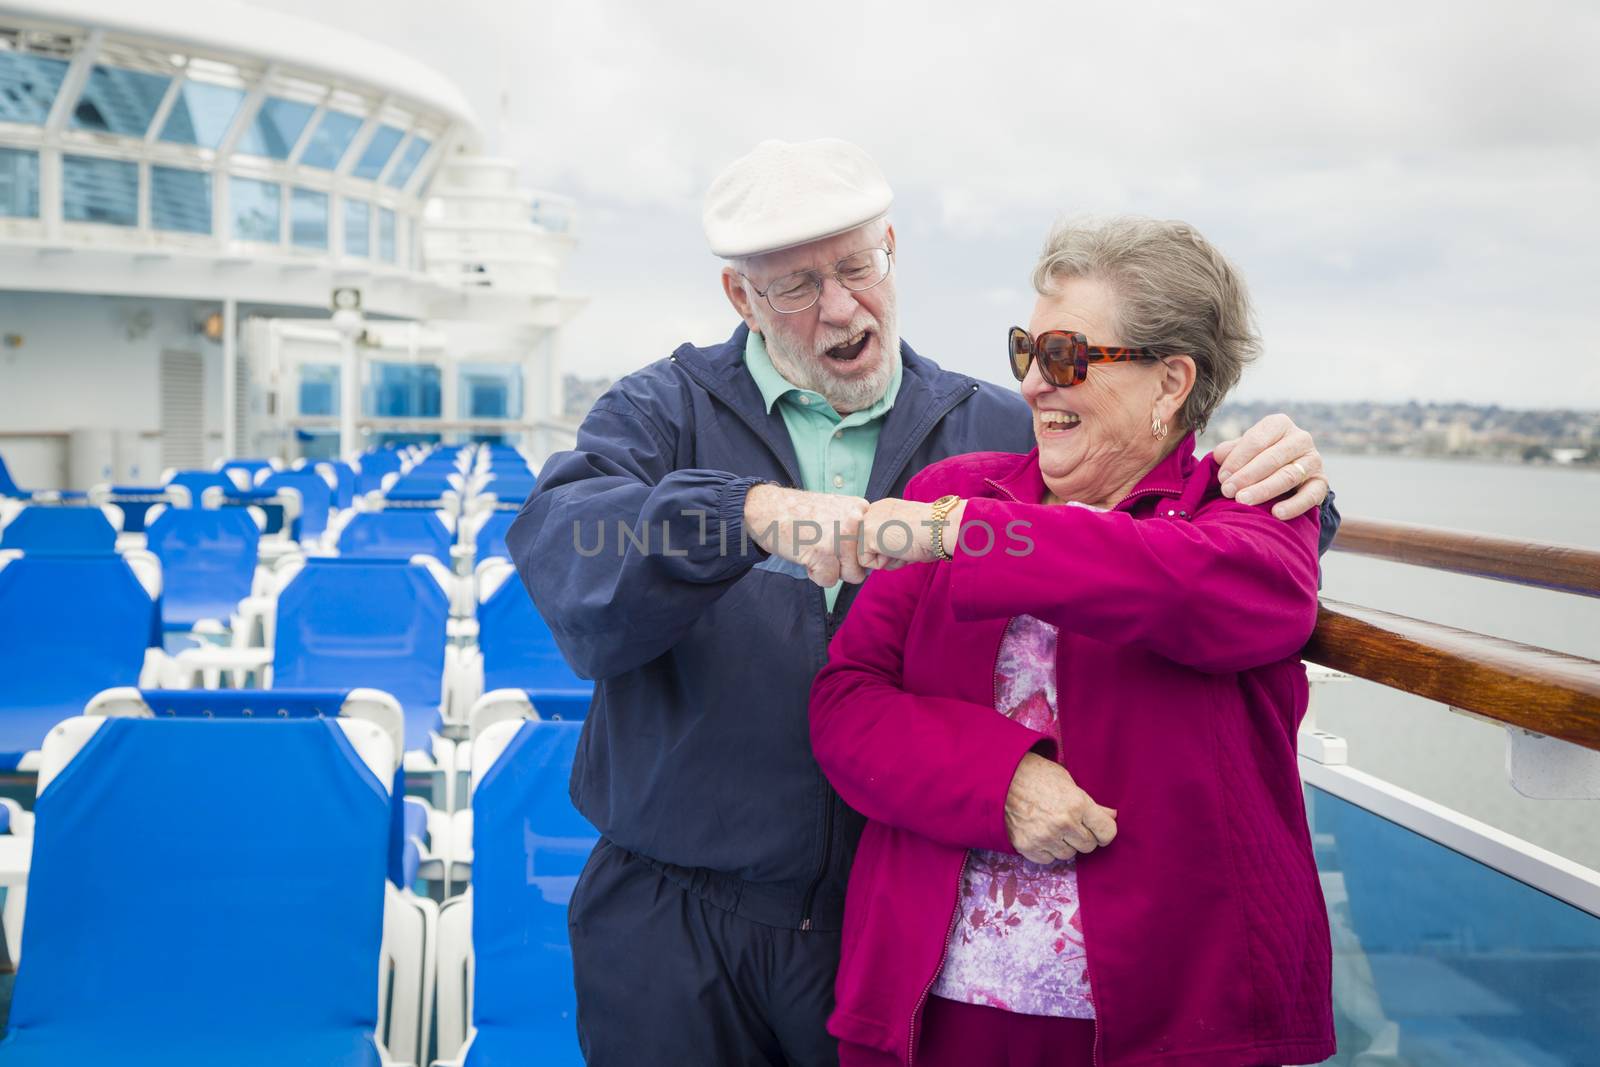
(1177, 382)
(888, 236)
(734, 288)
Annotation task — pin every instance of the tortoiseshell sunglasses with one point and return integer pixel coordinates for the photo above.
(1064, 357)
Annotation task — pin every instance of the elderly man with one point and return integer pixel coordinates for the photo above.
(694, 554)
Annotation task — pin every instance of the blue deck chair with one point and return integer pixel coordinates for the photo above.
(186, 910)
(420, 486)
(316, 500)
(398, 534)
(251, 467)
(491, 539)
(8, 487)
(270, 501)
(366, 622)
(197, 482)
(70, 530)
(208, 561)
(511, 489)
(529, 846)
(344, 476)
(409, 820)
(373, 467)
(70, 626)
(519, 652)
(135, 501)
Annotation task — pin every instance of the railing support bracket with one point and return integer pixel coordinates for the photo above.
(1549, 768)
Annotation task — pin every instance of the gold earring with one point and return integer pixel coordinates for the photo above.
(1158, 429)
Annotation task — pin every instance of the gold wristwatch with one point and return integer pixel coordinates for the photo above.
(941, 513)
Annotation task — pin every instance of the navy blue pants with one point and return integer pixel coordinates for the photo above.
(666, 978)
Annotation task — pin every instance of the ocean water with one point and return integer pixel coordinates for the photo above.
(1420, 745)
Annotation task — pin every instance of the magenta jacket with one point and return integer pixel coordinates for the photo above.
(1180, 690)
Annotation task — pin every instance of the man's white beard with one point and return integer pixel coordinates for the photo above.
(812, 369)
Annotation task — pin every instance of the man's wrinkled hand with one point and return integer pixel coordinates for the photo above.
(819, 531)
(1049, 818)
(1269, 459)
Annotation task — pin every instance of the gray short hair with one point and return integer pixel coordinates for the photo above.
(1174, 293)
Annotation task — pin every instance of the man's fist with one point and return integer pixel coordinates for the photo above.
(819, 531)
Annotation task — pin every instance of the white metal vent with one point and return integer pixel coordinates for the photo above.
(242, 410)
(183, 411)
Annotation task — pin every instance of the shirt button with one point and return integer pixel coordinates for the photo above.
(838, 434)
(838, 481)
(805, 399)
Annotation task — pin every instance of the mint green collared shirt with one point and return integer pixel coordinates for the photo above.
(835, 451)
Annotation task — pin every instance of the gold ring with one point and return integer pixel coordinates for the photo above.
(1301, 471)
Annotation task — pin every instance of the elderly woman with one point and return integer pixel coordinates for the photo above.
(1072, 731)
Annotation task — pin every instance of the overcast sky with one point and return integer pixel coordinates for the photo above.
(1411, 190)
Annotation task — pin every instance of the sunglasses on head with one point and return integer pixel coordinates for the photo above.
(1064, 356)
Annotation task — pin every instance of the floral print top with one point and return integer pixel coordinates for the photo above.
(1018, 944)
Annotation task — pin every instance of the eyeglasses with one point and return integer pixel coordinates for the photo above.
(857, 272)
(1064, 357)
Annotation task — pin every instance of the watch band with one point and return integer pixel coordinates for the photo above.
(941, 509)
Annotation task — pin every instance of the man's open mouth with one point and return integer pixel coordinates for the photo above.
(847, 353)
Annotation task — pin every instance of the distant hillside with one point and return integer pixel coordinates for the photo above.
(1564, 437)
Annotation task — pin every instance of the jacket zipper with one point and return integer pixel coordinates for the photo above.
(1083, 913)
(955, 912)
(944, 952)
(1161, 491)
(822, 868)
(830, 625)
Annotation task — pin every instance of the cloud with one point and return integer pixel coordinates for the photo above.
(1410, 190)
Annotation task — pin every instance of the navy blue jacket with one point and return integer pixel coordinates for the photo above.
(696, 753)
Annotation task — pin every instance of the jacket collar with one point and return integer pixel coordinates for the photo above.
(1025, 482)
(927, 393)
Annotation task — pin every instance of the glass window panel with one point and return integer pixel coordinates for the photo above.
(319, 386)
(19, 183)
(28, 86)
(256, 209)
(403, 390)
(201, 114)
(99, 190)
(386, 235)
(119, 101)
(308, 219)
(357, 228)
(332, 137)
(378, 151)
(180, 200)
(1438, 959)
(276, 129)
(490, 391)
(409, 159)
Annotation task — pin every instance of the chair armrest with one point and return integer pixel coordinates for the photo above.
(159, 671)
(210, 661)
(254, 622)
(463, 678)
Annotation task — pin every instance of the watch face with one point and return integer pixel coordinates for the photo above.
(346, 299)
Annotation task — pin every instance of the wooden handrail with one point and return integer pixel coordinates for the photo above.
(1567, 568)
(1547, 692)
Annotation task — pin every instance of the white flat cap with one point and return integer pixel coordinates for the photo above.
(782, 195)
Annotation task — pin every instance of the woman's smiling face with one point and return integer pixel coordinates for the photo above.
(1095, 438)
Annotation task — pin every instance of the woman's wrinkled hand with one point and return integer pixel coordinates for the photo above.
(1049, 818)
(895, 532)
